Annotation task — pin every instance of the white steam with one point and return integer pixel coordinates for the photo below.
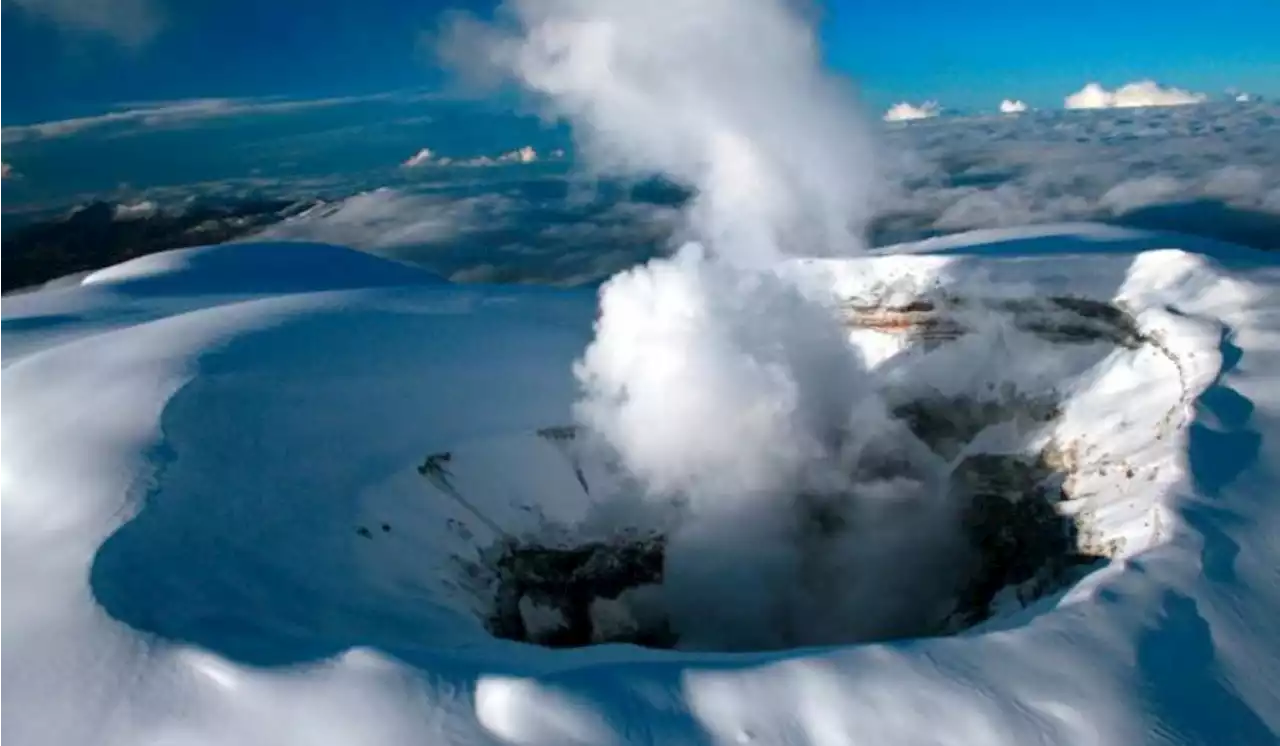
(716, 383)
(721, 380)
(721, 96)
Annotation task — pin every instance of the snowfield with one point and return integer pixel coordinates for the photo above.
(219, 526)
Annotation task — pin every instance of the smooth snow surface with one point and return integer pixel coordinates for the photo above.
(215, 529)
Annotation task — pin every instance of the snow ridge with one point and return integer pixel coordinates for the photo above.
(198, 575)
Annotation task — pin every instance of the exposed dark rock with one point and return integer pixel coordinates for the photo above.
(559, 433)
(1010, 517)
(946, 425)
(1022, 548)
(1061, 319)
(569, 579)
(1078, 320)
(1019, 538)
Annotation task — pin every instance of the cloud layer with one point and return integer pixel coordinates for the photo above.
(1131, 95)
(185, 112)
(535, 231)
(1212, 169)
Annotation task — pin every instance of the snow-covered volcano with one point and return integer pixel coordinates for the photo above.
(254, 494)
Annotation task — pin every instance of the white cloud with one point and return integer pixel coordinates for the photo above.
(1136, 193)
(1243, 98)
(904, 111)
(524, 154)
(1270, 202)
(135, 210)
(1131, 95)
(999, 207)
(515, 237)
(185, 112)
(1235, 182)
(132, 23)
(421, 158)
(1105, 165)
(386, 218)
(1012, 106)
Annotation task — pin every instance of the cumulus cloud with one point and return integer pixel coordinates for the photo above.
(905, 112)
(523, 154)
(132, 23)
(1131, 95)
(135, 210)
(420, 158)
(1012, 106)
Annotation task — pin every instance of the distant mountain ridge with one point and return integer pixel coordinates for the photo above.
(101, 233)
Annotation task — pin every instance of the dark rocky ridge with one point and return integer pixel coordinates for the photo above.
(92, 236)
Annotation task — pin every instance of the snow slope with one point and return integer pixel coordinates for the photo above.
(193, 442)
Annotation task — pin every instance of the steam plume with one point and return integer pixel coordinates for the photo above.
(723, 379)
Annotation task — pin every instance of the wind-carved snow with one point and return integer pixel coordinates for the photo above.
(215, 527)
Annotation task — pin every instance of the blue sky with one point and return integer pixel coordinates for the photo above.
(971, 54)
(57, 65)
(65, 58)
